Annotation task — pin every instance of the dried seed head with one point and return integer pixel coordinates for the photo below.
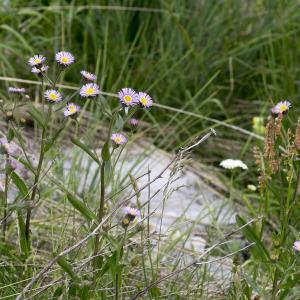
(297, 136)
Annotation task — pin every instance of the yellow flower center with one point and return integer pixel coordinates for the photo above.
(118, 140)
(65, 60)
(37, 61)
(53, 96)
(127, 98)
(72, 109)
(90, 91)
(144, 101)
(132, 212)
(283, 107)
(298, 247)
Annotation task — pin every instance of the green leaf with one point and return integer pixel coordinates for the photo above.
(22, 236)
(10, 134)
(21, 185)
(84, 292)
(81, 207)
(107, 170)
(58, 292)
(105, 152)
(66, 267)
(119, 123)
(85, 149)
(250, 234)
(36, 115)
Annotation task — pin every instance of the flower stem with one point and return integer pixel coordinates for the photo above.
(36, 178)
(5, 197)
(101, 206)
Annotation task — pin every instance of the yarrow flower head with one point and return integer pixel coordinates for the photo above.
(64, 58)
(53, 96)
(36, 60)
(88, 76)
(14, 90)
(296, 246)
(281, 107)
(144, 100)
(251, 187)
(89, 90)
(40, 70)
(118, 139)
(71, 109)
(133, 122)
(233, 164)
(128, 97)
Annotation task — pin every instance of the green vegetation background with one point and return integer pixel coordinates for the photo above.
(224, 59)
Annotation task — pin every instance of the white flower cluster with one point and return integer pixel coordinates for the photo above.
(233, 164)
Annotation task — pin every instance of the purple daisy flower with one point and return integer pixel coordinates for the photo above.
(131, 212)
(53, 96)
(118, 138)
(89, 90)
(296, 246)
(128, 97)
(40, 70)
(144, 100)
(133, 122)
(88, 76)
(14, 90)
(281, 107)
(36, 60)
(64, 58)
(71, 109)
(6, 147)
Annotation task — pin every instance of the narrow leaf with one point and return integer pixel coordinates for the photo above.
(81, 207)
(66, 267)
(36, 115)
(105, 152)
(22, 237)
(21, 185)
(85, 149)
(53, 139)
